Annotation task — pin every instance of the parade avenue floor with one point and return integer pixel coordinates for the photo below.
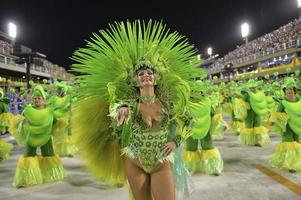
(246, 176)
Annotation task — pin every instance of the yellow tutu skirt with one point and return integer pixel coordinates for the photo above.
(287, 155)
(254, 136)
(5, 149)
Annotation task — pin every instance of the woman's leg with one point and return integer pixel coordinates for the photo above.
(47, 149)
(30, 151)
(139, 180)
(206, 142)
(162, 183)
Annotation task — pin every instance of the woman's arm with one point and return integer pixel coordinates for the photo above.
(173, 139)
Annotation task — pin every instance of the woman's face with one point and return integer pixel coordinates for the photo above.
(146, 78)
(289, 92)
(39, 101)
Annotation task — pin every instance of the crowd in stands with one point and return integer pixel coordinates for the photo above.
(5, 47)
(285, 37)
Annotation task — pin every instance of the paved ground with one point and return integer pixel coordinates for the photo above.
(241, 180)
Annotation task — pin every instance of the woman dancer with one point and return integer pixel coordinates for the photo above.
(255, 133)
(137, 74)
(287, 154)
(36, 133)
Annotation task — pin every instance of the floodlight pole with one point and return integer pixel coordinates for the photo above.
(28, 74)
(246, 40)
(299, 8)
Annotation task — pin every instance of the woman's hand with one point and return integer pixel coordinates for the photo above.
(22, 120)
(123, 115)
(169, 147)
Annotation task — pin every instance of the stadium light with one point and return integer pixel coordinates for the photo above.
(245, 30)
(299, 3)
(209, 51)
(12, 30)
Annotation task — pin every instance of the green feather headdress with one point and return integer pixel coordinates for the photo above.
(252, 83)
(39, 91)
(31, 82)
(112, 56)
(289, 82)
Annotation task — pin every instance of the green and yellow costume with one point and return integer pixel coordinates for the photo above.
(5, 116)
(254, 132)
(5, 147)
(63, 145)
(208, 160)
(287, 154)
(218, 124)
(35, 133)
(109, 64)
(239, 113)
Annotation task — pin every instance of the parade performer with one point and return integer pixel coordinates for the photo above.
(207, 160)
(271, 103)
(36, 130)
(5, 116)
(239, 111)
(5, 147)
(254, 133)
(287, 154)
(225, 92)
(274, 123)
(61, 102)
(137, 73)
(220, 126)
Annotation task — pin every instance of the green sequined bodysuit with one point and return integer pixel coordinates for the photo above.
(145, 144)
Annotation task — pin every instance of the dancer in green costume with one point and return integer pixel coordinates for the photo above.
(287, 154)
(137, 73)
(219, 125)
(276, 119)
(5, 147)
(5, 116)
(254, 133)
(208, 160)
(61, 103)
(239, 111)
(36, 133)
(226, 103)
(271, 103)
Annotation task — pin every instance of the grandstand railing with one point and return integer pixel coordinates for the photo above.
(10, 60)
(5, 59)
(216, 67)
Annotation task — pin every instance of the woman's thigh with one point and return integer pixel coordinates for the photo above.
(162, 183)
(139, 180)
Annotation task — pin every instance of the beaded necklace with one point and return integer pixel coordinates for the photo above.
(147, 99)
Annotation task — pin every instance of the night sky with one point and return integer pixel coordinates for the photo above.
(58, 27)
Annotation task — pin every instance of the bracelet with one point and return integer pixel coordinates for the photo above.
(177, 140)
